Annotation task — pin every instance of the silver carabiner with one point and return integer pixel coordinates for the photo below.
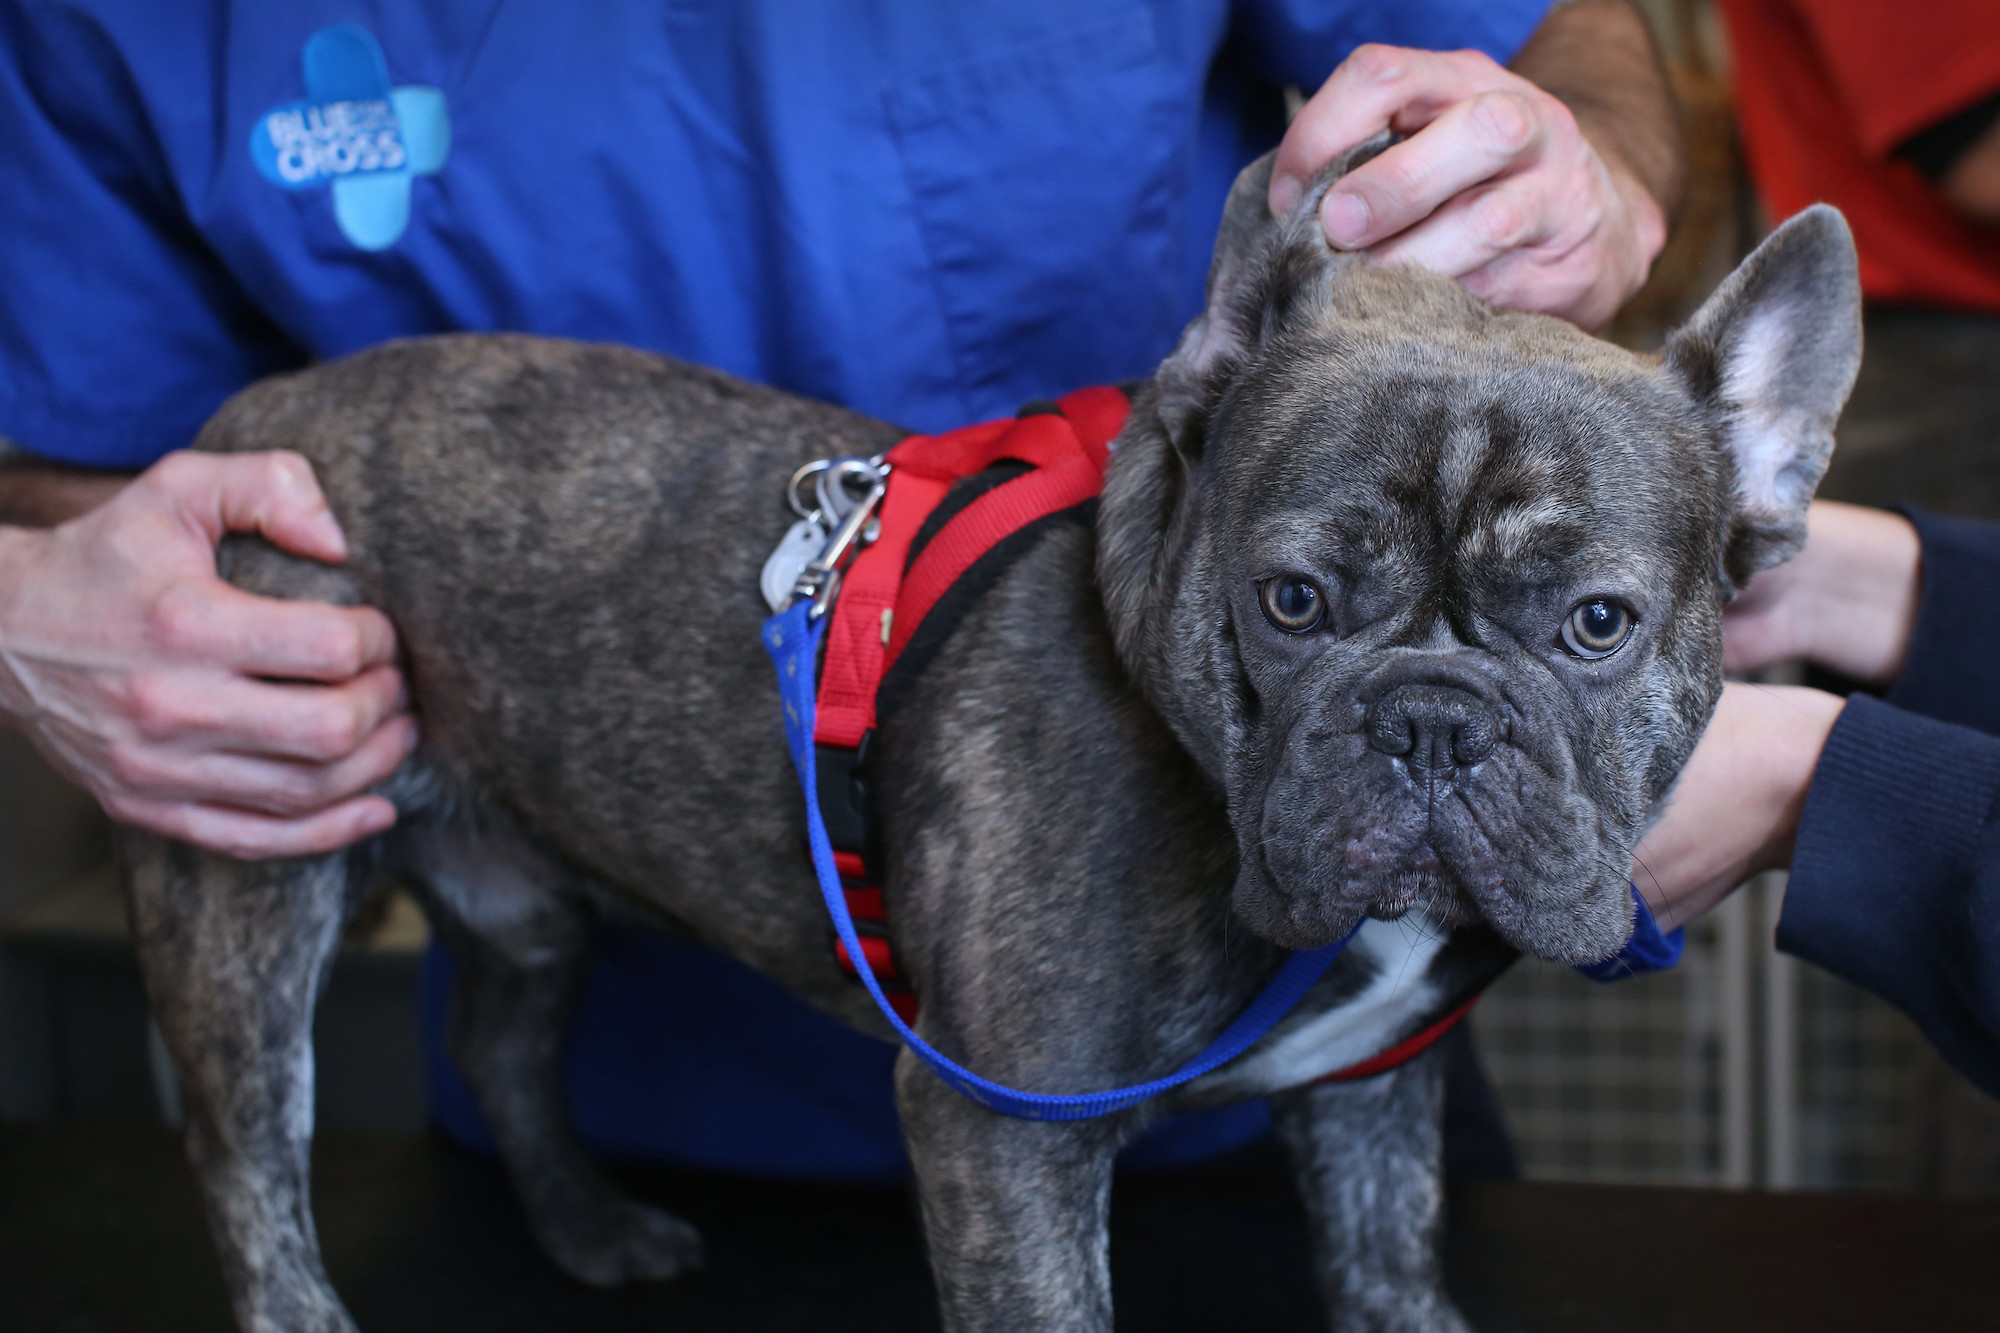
(821, 576)
(831, 486)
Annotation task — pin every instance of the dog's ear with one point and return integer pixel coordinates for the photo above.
(1770, 358)
(1264, 269)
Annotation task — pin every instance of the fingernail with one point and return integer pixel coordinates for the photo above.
(329, 527)
(1285, 192)
(1345, 218)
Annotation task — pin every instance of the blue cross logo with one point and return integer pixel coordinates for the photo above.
(354, 133)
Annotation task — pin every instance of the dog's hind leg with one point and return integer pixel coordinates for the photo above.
(520, 938)
(1369, 1162)
(234, 954)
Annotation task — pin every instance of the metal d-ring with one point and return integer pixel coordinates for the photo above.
(792, 491)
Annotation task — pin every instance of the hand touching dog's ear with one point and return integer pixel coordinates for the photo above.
(1771, 357)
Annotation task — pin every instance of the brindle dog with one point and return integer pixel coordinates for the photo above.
(1396, 606)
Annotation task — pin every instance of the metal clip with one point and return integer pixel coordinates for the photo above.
(820, 579)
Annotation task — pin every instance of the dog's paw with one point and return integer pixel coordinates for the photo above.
(615, 1240)
(1423, 1311)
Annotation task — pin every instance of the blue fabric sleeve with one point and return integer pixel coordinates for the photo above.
(120, 332)
(1952, 672)
(1649, 950)
(1300, 41)
(1896, 875)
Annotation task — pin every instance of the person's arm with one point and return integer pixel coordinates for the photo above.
(187, 706)
(1847, 602)
(1888, 820)
(1972, 183)
(1950, 671)
(1890, 824)
(1542, 187)
(1960, 154)
(1903, 602)
(1871, 597)
(1895, 875)
(39, 494)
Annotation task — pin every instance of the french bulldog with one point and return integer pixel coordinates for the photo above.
(1396, 609)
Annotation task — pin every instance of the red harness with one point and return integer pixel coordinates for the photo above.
(886, 597)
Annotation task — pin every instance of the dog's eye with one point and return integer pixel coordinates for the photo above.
(1291, 603)
(1597, 628)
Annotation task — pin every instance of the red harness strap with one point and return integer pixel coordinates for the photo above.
(880, 604)
(1406, 1050)
(885, 596)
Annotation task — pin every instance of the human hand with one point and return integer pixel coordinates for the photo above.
(1847, 601)
(245, 724)
(1972, 184)
(1496, 184)
(1735, 810)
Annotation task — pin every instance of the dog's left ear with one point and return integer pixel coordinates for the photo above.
(1770, 358)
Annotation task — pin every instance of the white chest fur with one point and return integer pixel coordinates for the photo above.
(1396, 996)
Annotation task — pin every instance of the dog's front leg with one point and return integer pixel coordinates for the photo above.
(1369, 1162)
(1015, 1211)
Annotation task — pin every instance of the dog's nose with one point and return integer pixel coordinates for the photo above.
(1432, 726)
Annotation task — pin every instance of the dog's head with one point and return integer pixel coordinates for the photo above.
(1432, 591)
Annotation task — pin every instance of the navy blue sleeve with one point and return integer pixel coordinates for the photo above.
(1299, 41)
(1952, 672)
(119, 330)
(1895, 880)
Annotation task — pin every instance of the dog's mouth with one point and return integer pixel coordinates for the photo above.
(1390, 887)
(1427, 889)
(1543, 870)
(1376, 881)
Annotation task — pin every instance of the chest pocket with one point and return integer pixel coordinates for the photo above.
(1047, 182)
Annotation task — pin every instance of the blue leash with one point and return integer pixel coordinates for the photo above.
(793, 642)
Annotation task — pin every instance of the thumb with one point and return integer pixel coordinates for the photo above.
(273, 494)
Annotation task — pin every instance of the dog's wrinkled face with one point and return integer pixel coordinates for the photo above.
(1433, 592)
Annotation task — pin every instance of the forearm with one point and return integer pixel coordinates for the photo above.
(1599, 58)
(1896, 875)
(1949, 670)
(35, 493)
(1972, 186)
(16, 551)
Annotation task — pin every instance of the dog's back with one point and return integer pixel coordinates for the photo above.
(568, 538)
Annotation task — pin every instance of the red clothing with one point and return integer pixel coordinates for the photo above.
(1826, 90)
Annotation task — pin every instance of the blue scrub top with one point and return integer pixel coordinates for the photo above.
(929, 212)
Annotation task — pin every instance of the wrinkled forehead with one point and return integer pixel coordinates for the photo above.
(1531, 471)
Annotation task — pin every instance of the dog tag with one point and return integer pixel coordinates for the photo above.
(803, 540)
